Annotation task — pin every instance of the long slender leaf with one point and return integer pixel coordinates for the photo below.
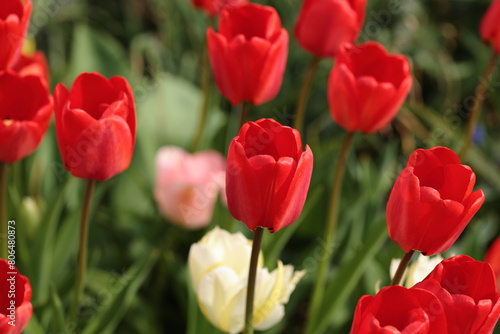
(111, 313)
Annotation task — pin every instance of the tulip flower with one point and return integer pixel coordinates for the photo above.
(95, 126)
(418, 270)
(468, 291)
(267, 175)
(248, 54)
(23, 121)
(218, 267)
(187, 185)
(35, 64)
(214, 7)
(493, 258)
(14, 20)
(432, 201)
(367, 87)
(396, 309)
(489, 28)
(324, 25)
(15, 301)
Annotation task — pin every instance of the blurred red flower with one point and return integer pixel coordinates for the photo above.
(396, 309)
(324, 25)
(35, 64)
(14, 20)
(248, 54)
(24, 120)
(432, 201)
(493, 258)
(490, 29)
(95, 126)
(15, 301)
(468, 292)
(367, 87)
(214, 7)
(267, 175)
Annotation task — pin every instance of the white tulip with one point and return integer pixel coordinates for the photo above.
(418, 270)
(218, 265)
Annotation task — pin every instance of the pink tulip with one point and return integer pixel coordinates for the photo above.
(187, 185)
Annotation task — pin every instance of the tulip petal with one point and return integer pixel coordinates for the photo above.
(271, 73)
(296, 193)
(437, 222)
(102, 150)
(242, 178)
(90, 92)
(19, 140)
(343, 97)
(403, 209)
(227, 73)
(377, 99)
(250, 55)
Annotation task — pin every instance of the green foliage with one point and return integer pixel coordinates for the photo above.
(138, 282)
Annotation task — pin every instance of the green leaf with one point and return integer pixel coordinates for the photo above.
(96, 51)
(110, 314)
(34, 326)
(42, 254)
(58, 311)
(348, 276)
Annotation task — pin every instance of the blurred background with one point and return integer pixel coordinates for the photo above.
(138, 281)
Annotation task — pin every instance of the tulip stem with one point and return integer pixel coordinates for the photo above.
(476, 105)
(3, 210)
(331, 226)
(402, 268)
(252, 276)
(304, 94)
(244, 113)
(82, 250)
(205, 86)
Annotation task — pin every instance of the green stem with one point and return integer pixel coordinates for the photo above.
(244, 113)
(402, 268)
(82, 250)
(3, 210)
(478, 101)
(252, 275)
(304, 94)
(205, 84)
(330, 230)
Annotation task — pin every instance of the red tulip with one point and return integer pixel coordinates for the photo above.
(267, 175)
(95, 126)
(14, 21)
(248, 54)
(432, 201)
(490, 29)
(35, 64)
(493, 258)
(214, 7)
(15, 301)
(324, 25)
(396, 309)
(23, 120)
(367, 86)
(468, 291)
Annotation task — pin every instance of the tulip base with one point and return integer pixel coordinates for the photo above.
(82, 250)
(252, 276)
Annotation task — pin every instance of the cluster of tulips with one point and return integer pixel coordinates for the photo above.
(265, 177)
